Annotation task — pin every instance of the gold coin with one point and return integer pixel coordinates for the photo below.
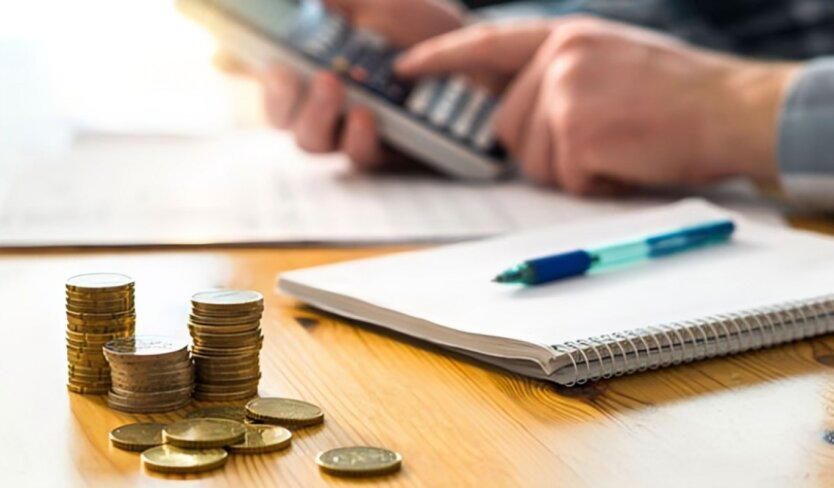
(199, 433)
(137, 437)
(86, 390)
(252, 319)
(359, 461)
(225, 397)
(97, 296)
(221, 412)
(122, 315)
(99, 282)
(227, 299)
(172, 459)
(262, 439)
(284, 411)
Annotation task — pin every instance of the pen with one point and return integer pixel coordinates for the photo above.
(581, 261)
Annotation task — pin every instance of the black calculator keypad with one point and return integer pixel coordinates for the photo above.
(449, 105)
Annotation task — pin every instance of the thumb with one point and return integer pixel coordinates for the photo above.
(502, 49)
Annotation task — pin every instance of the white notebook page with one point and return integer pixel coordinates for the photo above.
(451, 286)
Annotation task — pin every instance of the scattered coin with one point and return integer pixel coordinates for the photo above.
(227, 339)
(359, 461)
(149, 374)
(284, 411)
(172, 459)
(204, 433)
(100, 308)
(261, 439)
(223, 412)
(137, 437)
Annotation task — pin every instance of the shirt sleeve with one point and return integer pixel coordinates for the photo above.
(806, 137)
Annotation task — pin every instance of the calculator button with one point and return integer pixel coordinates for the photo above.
(396, 91)
(423, 96)
(369, 62)
(464, 126)
(448, 103)
(344, 57)
(484, 138)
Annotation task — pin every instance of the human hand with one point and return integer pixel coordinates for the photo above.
(316, 113)
(599, 106)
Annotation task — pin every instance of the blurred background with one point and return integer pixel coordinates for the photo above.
(97, 67)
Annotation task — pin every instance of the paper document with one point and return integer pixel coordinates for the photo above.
(257, 188)
(254, 188)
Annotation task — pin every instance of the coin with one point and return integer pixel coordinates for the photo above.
(359, 461)
(145, 348)
(163, 397)
(221, 412)
(137, 437)
(172, 459)
(87, 390)
(230, 329)
(262, 439)
(225, 396)
(232, 320)
(130, 408)
(99, 282)
(226, 299)
(284, 411)
(206, 432)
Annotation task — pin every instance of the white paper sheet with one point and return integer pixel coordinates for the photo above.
(254, 188)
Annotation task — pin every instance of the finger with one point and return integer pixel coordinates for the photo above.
(344, 7)
(229, 63)
(572, 173)
(535, 153)
(281, 91)
(318, 119)
(495, 48)
(518, 102)
(360, 140)
(604, 187)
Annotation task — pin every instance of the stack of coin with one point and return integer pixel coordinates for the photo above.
(149, 374)
(100, 308)
(225, 328)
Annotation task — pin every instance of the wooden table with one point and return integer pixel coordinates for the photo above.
(752, 420)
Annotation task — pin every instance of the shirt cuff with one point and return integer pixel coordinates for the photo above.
(806, 137)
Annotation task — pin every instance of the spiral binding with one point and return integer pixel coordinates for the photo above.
(653, 347)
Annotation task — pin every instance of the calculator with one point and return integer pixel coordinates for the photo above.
(444, 122)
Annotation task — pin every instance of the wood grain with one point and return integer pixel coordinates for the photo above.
(752, 420)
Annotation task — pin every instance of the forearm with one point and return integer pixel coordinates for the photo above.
(806, 137)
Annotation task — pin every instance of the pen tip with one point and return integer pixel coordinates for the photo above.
(504, 278)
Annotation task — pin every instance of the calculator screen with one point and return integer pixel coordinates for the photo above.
(274, 17)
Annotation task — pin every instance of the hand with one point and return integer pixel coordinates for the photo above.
(315, 113)
(598, 106)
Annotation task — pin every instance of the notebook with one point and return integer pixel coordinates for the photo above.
(767, 286)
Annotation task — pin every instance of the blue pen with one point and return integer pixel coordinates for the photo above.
(579, 262)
